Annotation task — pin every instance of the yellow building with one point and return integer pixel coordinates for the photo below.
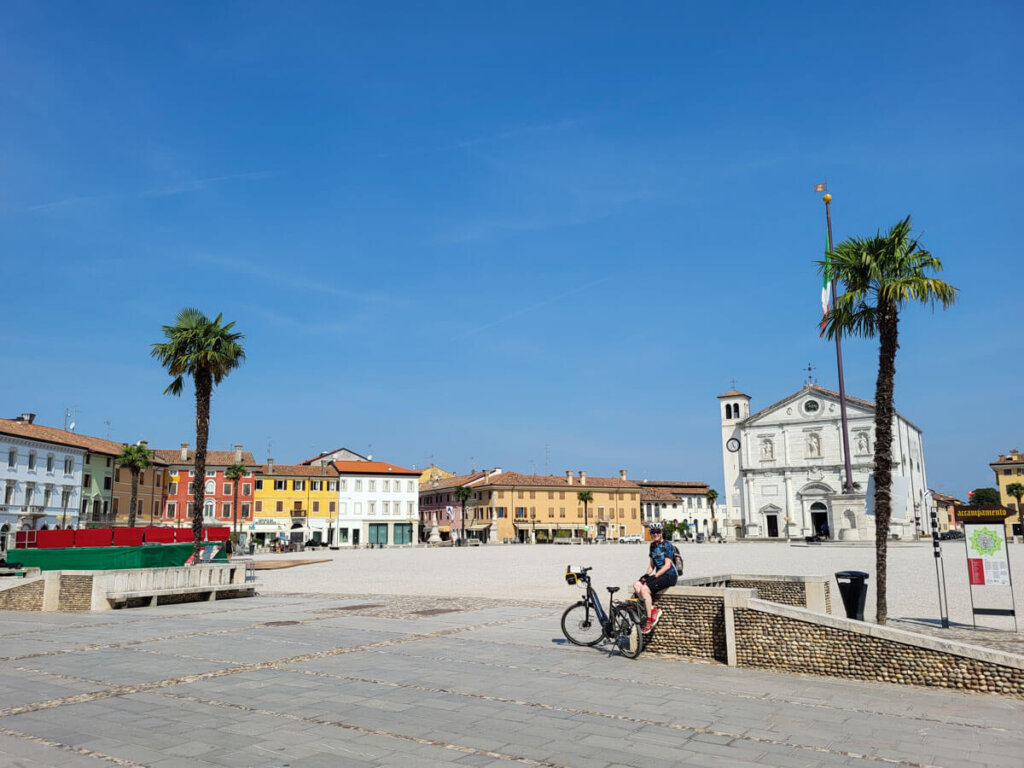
(1009, 470)
(511, 506)
(942, 505)
(432, 474)
(297, 502)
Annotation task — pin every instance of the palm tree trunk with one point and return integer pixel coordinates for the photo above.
(204, 390)
(234, 507)
(462, 524)
(888, 332)
(586, 534)
(135, 497)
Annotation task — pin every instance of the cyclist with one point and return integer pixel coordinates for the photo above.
(661, 573)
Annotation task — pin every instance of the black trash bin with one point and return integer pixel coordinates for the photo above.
(854, 590)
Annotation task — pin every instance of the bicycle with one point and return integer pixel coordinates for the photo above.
(587, 623)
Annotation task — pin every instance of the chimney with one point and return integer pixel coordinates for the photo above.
(568, 476)
(26, 418)
(270, 466)
(143, 443)
(1013, 452)
(1002, 457)
(622, 474)
(184, 452)
(583, 477)
(238, 453)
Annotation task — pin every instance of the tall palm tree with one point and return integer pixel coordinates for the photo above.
(234, 473)
(879, 275)
(712, 496)
(206, 351)
(1017, 491)
(462, 493)
(134, 458)
(586, 497)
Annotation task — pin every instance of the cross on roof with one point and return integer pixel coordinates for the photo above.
(810, 375)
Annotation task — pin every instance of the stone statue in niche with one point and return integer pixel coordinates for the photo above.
(862, 443)
(813, 445)
(767, 450)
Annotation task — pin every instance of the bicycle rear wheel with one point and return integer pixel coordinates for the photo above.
(581, 625)
(628, 637)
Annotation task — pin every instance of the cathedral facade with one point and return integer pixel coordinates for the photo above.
(784, 469)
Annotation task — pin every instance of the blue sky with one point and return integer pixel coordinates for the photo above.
(534, 236)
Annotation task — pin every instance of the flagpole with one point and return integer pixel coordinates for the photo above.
(848, 482)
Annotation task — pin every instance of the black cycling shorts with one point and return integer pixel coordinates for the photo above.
(658, 583)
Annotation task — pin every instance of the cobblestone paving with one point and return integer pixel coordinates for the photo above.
(306, 681)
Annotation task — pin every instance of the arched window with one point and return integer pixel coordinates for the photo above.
(728, 410)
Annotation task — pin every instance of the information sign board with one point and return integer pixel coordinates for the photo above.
(987, 564)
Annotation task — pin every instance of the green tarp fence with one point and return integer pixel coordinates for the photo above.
(106, 558)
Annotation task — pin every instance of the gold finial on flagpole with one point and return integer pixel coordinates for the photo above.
(827, 198)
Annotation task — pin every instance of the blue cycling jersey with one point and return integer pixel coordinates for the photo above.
(658, 553)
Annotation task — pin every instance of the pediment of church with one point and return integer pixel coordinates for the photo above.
(810, 404)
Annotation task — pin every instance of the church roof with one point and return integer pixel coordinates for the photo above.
(867, 405)
(734, 393)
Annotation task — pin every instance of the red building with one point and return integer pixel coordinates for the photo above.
(219, 490)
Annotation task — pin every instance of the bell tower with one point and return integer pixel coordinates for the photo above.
(734, 407)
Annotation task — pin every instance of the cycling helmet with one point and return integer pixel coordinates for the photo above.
(654, 528)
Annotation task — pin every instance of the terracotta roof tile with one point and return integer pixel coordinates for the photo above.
(372, 468)
(60, 437)
(297, 470)
(559, 481)
(453, 481)
(213, 458)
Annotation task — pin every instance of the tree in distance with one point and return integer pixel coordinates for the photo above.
(1017, 491)
(880, 275)
(207, 352)
(234, 473)
(462, 493)
(586, 497)
(712, 496)
(981, 497)
(134, 458)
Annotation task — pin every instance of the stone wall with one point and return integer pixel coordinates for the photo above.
(22, 595)
(690, 625)
(785, 592)
(75, 593)
(771, 641)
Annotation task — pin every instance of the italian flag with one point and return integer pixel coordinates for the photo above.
(826, 284)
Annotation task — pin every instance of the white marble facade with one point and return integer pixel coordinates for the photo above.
(784, 468)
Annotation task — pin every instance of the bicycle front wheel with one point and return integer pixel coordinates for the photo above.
(581, 624)
(628, 637)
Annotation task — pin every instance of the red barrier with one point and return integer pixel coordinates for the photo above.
(94, 537)
(217, 533)
(157, 535)
(127, 537)
(183, 534)
(55, 539)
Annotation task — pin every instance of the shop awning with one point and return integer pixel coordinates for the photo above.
(478, 526)
(444, 528)
(549, 526)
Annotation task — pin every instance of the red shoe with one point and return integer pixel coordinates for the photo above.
(655, 615)
(647, 627)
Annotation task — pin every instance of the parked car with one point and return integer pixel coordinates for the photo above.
(631, 538)
(600, 540)
(951, 534)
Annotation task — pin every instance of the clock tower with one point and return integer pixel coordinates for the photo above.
(734, 407)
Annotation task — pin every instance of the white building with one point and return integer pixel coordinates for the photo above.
(40, 478)
(378, 502)
(784, 468)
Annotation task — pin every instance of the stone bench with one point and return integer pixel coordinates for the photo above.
(119, 599)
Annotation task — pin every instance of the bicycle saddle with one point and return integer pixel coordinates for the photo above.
(613, 590)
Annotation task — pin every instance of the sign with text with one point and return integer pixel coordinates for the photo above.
(989, 514)
(987, 564)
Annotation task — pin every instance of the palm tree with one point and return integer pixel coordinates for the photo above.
(234, 473)
(1017, 491)
(586, 497)
(712, 496)
(134, 458)
(206, 351)
(462, 493)
(879, 275)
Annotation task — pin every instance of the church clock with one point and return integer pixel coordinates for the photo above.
(732, 444)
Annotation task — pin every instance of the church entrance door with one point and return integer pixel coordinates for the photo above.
(772, 521)
(819, 518)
